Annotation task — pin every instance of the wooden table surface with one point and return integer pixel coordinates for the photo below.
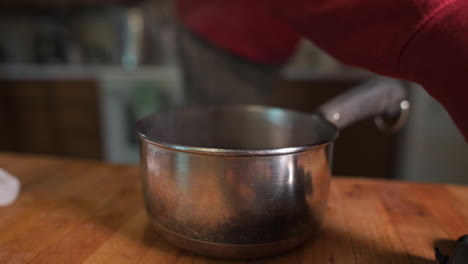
(75, 211)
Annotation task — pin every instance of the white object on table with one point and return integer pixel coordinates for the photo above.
(9, 188)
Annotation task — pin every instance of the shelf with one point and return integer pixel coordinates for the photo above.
(25, 72)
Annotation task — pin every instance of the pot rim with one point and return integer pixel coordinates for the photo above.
(236, 152)
(241, 152)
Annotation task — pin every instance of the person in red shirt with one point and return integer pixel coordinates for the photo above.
(423, 41)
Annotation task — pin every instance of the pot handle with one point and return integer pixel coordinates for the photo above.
(375, 98)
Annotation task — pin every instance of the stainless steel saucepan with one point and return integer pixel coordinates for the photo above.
(248, 181)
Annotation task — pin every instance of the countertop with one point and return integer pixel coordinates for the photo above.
(79, 211)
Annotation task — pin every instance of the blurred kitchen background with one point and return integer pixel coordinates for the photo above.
(76, 75)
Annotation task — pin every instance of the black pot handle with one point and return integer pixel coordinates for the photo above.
(375, 98)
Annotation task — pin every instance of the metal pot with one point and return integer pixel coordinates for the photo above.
(247, 181)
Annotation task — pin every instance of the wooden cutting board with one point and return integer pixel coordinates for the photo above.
(76, 211)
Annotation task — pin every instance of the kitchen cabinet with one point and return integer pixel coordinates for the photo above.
(50, 117)
(64, 117)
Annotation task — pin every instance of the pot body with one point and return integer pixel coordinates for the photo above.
(248, 181)
(235, 205)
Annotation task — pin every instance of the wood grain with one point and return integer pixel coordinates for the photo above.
(77, 211)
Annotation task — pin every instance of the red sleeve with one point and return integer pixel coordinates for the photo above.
(425, 41)
(437, 58)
